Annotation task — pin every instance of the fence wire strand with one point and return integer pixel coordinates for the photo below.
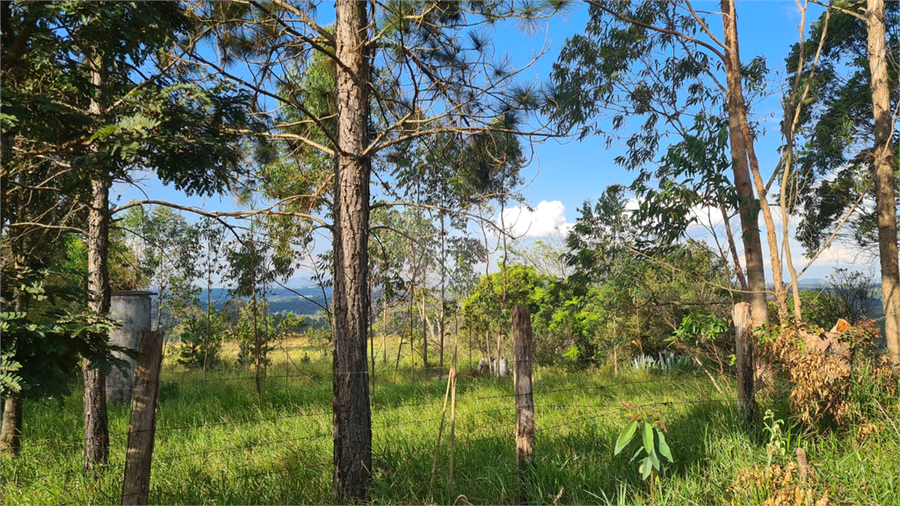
(472, 422)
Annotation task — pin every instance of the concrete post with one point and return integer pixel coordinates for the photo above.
(132, 311)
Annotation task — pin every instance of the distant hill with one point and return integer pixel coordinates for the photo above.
(808, 283)
(302, 301)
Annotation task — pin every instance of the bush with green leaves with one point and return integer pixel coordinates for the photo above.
(48, 340)
(651, 444)
(201, 336)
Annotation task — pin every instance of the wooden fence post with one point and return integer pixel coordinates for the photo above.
(142, 426)
(743, 352)
(522, 337)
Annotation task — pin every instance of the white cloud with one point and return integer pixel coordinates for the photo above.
(548, 218)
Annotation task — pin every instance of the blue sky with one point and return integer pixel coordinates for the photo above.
(563, 174)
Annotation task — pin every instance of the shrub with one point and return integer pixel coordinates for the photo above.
(834, 378)
(704, 335)
(201, 340)
(665, 362)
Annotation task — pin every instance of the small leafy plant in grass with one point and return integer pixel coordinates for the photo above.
(777, 445)
(651, 444)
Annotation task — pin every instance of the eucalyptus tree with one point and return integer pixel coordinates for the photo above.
(212, 239)
(660, 63)
(167, 246)
(253, 266)
(847, 145)
(420, 69)
(444, 178)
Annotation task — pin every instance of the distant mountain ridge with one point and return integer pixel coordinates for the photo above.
(308, 300)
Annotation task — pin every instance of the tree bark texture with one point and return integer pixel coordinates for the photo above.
(735, 89)
(142, 424)
(743, 352)
(11, 431)
(352, 414)
(96, 425)
(522, 350)
(885, 205)
(748, 205)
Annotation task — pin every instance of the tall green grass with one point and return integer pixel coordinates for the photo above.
(220, 441)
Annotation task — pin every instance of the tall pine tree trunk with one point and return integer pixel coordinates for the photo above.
(96, 425)
(352, 414)
(748, 205)
(885, 206)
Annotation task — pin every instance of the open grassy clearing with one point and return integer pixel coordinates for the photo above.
(219, 441)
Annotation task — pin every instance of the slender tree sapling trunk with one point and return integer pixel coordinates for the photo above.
(749, 205)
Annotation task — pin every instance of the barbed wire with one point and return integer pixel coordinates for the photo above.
(471, 422)
(375, 407)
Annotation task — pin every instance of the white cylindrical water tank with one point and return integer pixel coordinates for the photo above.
(503, 367)
(131, 310)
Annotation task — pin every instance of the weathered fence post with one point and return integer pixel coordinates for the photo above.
(142, 427)
(743, 352)
(522, 337)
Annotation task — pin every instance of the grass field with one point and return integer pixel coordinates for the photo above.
(219, 441)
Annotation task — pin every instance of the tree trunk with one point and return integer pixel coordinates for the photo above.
(352, 413)
(371, 334)
(443, 316)
(424, 335)
(412, 331)
(96, 425)
(497, 360)
(384, 330)
(748, 205)
(885, 206)
(11, 431)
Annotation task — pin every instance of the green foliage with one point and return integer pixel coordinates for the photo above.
(777, 447)
(621, 79)
(822, 308)
(183, 132)
(253, 329)
(834, 138)
(854, 291)
(848, 296)
(492, 299)
(10, 382)
(701, 326)
(48, 341)
(651, 444)
(201, 335)
(600, 237)
(619, 294)
(126, 270)
(704, 334)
